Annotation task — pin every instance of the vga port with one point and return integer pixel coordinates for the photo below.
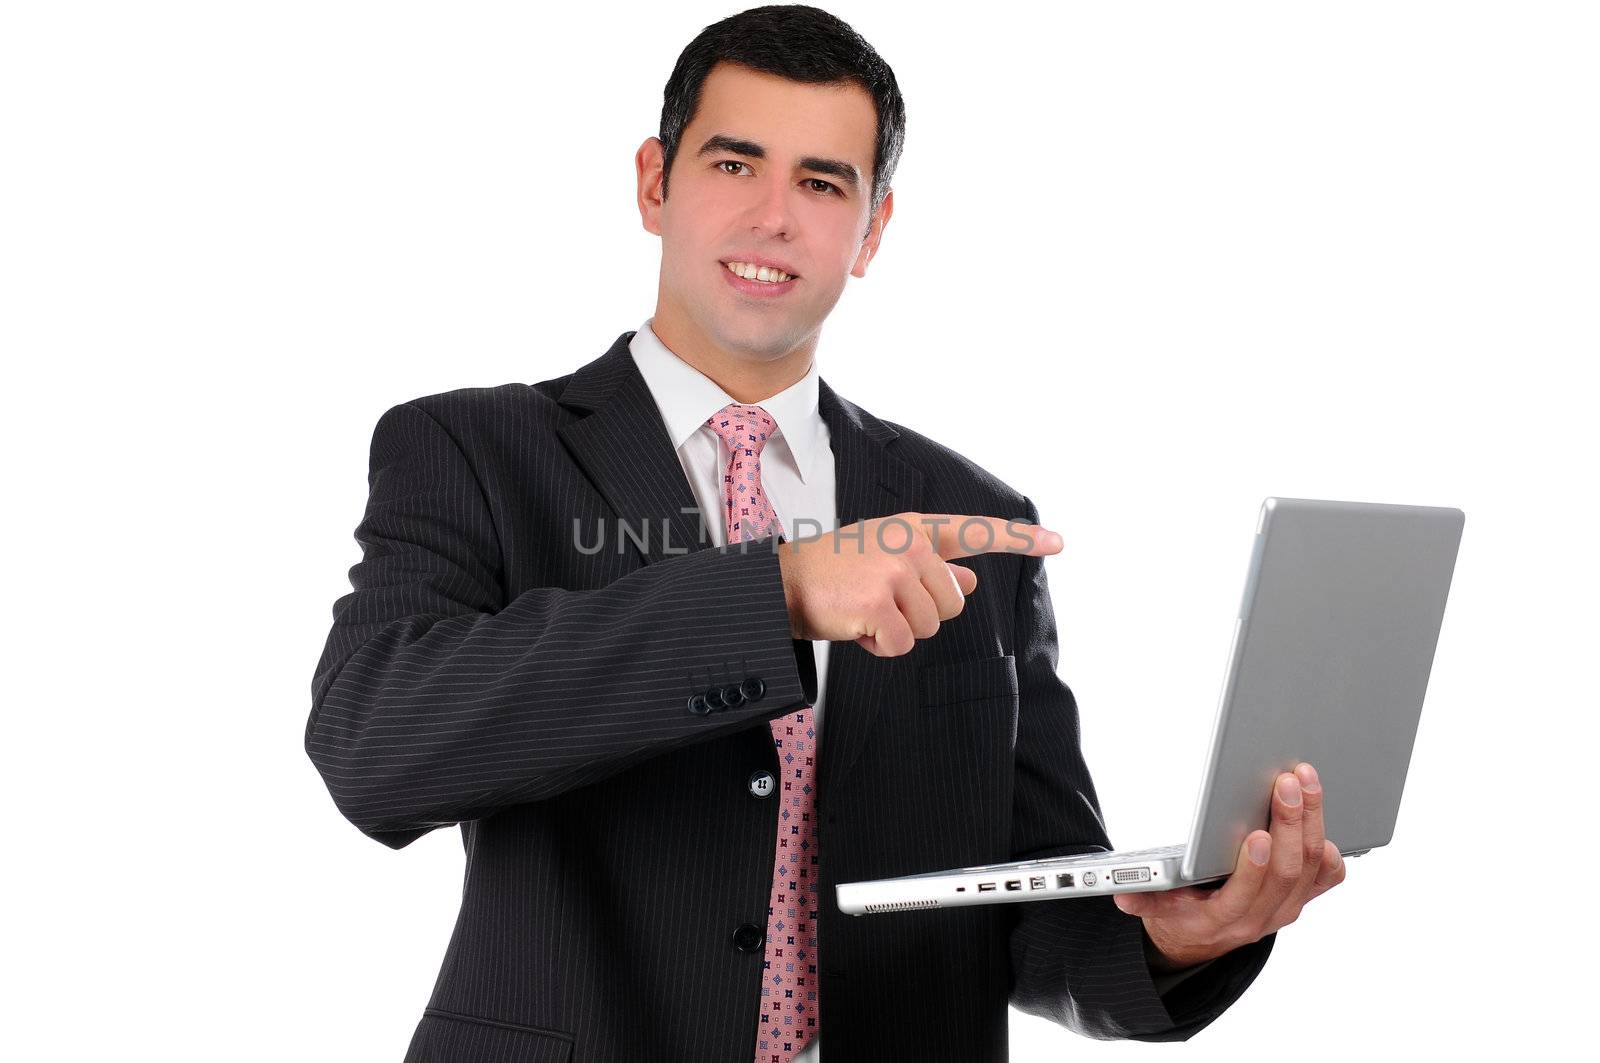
(1131, 874)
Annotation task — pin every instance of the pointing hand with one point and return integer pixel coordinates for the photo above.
(887, 581)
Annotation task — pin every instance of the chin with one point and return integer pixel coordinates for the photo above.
(760, 344)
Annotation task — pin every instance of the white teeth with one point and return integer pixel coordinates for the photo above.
(761, 273)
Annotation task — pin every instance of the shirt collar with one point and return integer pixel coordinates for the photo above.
(688, 398)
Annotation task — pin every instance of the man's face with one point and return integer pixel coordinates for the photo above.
(789, 205)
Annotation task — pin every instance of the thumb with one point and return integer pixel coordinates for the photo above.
(966, 579)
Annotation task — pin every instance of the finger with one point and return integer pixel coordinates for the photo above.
(966, 579)
(1162, 904)
(1283, 868)
(963, 535)
(940, 583)
(1311, 824)
(1330, 871)
(887, 634)
(911, 597)
(1239, 894)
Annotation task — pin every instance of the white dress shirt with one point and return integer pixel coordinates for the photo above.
(797, 471)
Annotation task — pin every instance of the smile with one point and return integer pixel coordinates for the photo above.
(759, 281)
(764, 274)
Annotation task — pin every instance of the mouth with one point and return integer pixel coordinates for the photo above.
(758, 280)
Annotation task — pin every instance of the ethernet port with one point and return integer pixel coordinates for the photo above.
(1063, 882)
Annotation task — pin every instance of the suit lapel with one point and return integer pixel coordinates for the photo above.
(623, 447)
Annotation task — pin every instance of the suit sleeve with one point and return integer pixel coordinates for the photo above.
(1081, 962)
(437, 701)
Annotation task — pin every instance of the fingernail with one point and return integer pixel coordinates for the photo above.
(1308, 778)
(1259, 848)
(1289, 789)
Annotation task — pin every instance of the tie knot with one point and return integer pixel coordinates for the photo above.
(743, 427)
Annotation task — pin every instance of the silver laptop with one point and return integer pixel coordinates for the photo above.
(1330, 660)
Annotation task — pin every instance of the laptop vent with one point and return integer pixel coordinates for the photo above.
(900, 906)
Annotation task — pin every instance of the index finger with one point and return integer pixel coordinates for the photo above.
(963, 534)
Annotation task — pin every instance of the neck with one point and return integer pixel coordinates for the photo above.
(746, 379)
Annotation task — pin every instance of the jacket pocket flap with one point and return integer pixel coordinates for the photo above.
(448, 1037)
(990, 677)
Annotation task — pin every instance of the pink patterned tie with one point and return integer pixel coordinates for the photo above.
(789, 981)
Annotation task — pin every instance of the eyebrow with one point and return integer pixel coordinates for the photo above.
(836, 168)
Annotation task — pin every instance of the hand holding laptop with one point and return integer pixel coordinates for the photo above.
(1332, 646)
(887, 581)
(1277, 874)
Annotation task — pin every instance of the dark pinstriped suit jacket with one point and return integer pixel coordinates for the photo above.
(486, 672)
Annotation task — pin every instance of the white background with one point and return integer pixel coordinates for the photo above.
(1149, 264)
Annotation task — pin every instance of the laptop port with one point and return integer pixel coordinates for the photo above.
(1014, 884)
(1063, 882)
(1036, 882)
(1131, 874)
(986, 887)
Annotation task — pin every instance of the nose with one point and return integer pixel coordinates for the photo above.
(772, 213)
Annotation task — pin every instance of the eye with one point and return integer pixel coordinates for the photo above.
(826, 189)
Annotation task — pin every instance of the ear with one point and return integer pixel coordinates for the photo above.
(647, 164)
(869, 246)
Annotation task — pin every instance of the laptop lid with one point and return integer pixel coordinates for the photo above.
(1331, 654)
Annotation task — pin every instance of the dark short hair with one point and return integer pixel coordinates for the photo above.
(797, 42)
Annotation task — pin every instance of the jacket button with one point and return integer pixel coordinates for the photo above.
(748, 937)
(714, 698)
(698, 704)
(762, 784)
(753, 688)
(732, 696)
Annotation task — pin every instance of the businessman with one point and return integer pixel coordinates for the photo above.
(683, 639)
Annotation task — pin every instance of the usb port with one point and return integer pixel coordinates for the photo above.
(1014, 884)
(986, 887)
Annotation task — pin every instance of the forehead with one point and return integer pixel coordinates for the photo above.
(786, 117)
